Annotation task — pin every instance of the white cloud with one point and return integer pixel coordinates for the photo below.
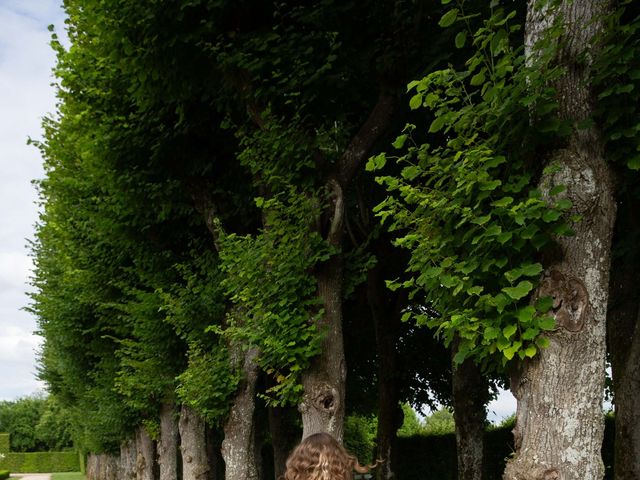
(26, 62)
(502, 407)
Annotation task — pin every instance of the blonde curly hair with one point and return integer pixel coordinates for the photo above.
(321, 457)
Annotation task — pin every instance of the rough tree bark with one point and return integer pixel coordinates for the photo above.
(103, 467)
(559, 428)
(168, 443)
(470, 396)
(322, 405)
(623, 335)
(145, 455)
(241, 457)
(128, 460)
(192, 445)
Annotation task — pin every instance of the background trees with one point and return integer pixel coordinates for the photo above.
(209, 242)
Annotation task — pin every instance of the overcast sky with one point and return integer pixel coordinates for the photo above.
(25, 97)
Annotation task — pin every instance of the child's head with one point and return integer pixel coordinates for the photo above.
(321, 457)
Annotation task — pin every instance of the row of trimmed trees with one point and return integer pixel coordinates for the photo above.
(211, 278)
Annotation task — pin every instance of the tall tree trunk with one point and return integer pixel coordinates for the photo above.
(192, 445)
(623, 331)
(559, 428)
(470, 396)
(168, 443)
(241, 456)
(285, 434)
(145, 458)
(128, 460)
(322, 406)
(385, 320)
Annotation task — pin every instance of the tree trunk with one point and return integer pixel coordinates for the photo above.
(559, 428)
(470, 396)
(241, 457)
(128, 460)
(145, 455)
(92, 467)
(103, 467)
(285, 434)
(322, 405)
(192, 445)
(623, 331)
(385, 323)
(168, 443)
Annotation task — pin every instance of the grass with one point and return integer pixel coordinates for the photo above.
(68, 476)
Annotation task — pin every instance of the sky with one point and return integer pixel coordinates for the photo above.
(26, 95)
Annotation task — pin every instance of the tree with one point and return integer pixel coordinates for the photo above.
(559, 425)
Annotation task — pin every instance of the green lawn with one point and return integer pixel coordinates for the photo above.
(68, 476)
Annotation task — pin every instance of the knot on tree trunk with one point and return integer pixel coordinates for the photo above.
(326, 401)
(570, 300)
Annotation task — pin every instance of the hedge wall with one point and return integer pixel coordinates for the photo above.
(434, 457)
(41, 462)
(4, 442)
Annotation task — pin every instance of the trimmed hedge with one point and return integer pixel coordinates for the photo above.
(434, 457)
(41, 462)
(4, 474)
(4, 442)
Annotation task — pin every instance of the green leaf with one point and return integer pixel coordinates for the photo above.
(564, 204)
(519, 291)
(461, 39)
(525, 314)
(410, 172)
(551, 215)
(437, 124)
(478, 78)
(477, 290)
(544, 304)
(530, 333)
(400, 141)
(547, 323)
(448, 18)
(491, 333)
(503, 202)
(509, 330)
(416, 101)
(376, 163)
(557, 189)
(542, 342)
(531, 269)
(530, 351)
(634, 163)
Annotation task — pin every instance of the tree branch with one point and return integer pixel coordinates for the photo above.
(358, 150)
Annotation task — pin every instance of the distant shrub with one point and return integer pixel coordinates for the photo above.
(41, 462)
(4, 442)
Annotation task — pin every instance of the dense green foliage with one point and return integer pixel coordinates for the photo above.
(465, 204)
(34, 424)
(4, 474)
(205, 165)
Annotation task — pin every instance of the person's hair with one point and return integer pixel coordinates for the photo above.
(321, 457)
